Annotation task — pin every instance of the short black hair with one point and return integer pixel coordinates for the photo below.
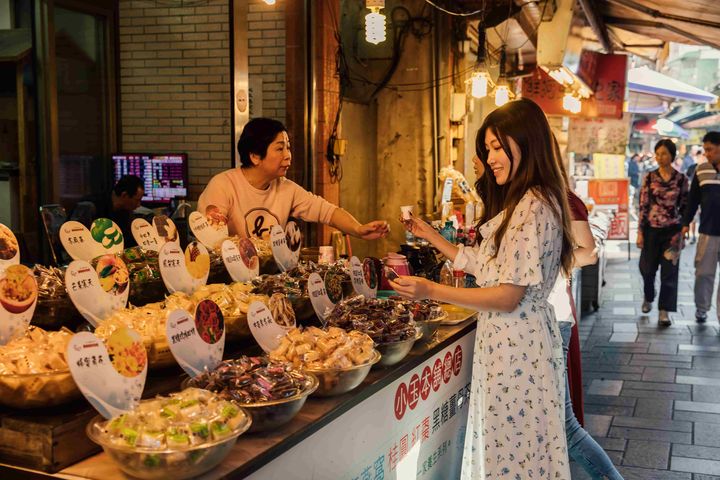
(712, 137)
(667, 143)
(256, 137)
(128, 184)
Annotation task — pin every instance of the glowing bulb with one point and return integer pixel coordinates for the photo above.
(375, 26)
(270, 2)
(502, 95)
(479, 84)
(571, 103)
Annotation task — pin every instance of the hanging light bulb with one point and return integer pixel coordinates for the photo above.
(480, 83)
(502, 95)
(270, 2)
(571, 103)
(375, 22)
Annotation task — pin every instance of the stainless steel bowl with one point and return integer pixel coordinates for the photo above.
(394, 352)
(430, 327)
(177, 464)
(338, 381)
(273, 413)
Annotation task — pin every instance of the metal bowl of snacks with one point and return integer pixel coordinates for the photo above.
(336, 381)
(394, 352)
(283, 395)
(430, 327)
(181, 449)
(34, 390)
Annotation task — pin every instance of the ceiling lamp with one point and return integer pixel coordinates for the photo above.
(270, 2)
(480, 81)
(375, 22)
(571, 103)
(502, 95)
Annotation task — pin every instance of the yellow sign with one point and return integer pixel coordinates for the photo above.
(608, 165)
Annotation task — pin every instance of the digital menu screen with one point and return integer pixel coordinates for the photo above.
(164, 175)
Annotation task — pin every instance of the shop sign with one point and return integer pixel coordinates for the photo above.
(197, 342)
(611, 196)
(110, 374)
(364, 277)
(184, 272)
(210, 229)
(285, 245)
(9, 248)
(319, 296)
(153, 237)
(608, 87)
(608, 166)
(241, 261)
(98, 291)
(608, 135)
(267, 331)
(412, 428)
(103, 237)
(16, 281)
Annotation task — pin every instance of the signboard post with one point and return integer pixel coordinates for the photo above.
(611, 195)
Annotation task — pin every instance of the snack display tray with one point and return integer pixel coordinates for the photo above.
(456, 315)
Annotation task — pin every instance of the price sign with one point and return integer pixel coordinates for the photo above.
(209, 230)
(98, 291)
(18, 299)
(104, 237)
(364, 278)
(241, 262)
(145, 235)
(197, 343)
(285, 248)
(319, 297)
(184, 272)
(266, 331)
(9, 248)
(110, 374)
(447, 190)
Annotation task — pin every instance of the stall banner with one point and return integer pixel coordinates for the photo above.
(197, 342)
(286, 245)
(588, 135)
(209, 228)
(153, 237)
(241, 260)
(184, 272)
(111, 374)
(609, 88)
(608, 166)
(412, 428)
(268, 332)
(18, 299)
(98, 292)
(319, 296)
(364, 277)
(611, 195)
(9, 248)
(103, 237)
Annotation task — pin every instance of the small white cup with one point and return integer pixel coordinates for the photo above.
(406, 212)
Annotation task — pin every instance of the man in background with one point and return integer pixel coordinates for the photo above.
(117, 205)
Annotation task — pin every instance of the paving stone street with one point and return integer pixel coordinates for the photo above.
(652, 394)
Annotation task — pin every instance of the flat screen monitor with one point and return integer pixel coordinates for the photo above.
(165, 175)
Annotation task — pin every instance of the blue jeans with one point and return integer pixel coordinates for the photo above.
(581, 446)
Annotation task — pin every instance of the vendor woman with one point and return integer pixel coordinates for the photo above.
(257, 195)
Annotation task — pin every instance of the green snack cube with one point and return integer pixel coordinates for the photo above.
(200, 431)
(152, 461)
(220, 430)
(130, 435)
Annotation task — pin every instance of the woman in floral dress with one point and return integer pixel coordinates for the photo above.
(516, 416)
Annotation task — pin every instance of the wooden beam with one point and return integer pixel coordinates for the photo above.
(630, 22)
(633, 5)
(597, 24)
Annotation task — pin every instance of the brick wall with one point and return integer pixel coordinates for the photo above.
(175, 83)
(266, 57)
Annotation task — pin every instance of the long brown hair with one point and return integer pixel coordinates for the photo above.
(539, 169)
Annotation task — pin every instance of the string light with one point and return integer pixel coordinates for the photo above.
(375, 22)
(502, 95)
(480, 84)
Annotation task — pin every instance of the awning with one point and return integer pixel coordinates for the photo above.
(643, 103)
(662, 127)
(646, 81)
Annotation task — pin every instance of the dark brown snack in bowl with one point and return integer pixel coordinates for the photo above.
(385, 321)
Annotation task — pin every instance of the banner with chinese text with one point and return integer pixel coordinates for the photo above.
(611, 196)
(412, 428)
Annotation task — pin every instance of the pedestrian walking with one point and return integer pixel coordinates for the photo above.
(663, 197)
(705, 193)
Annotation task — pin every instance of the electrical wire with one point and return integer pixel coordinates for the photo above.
(456, 14)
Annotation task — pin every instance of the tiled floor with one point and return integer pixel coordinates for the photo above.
(652, 394)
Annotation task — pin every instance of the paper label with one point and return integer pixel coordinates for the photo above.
(266, 331)
(286, 245)
(364, 278)
(112, 374)
(103, 237)
(197, 343)
(211, 228)
(153, 237)
(319, 296)
(184, 272)
(98, 292)
(9, 248)
(18, 299)
(242, 263)
(447, 190)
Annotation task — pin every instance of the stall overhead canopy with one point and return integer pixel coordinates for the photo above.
(649, 82)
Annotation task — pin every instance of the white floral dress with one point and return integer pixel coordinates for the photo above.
(516, 416)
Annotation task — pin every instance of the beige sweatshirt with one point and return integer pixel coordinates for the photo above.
(252, 212)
